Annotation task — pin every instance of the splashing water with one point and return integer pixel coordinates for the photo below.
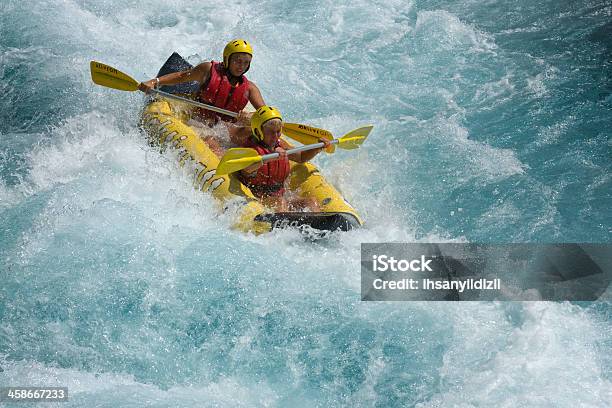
(122, 283)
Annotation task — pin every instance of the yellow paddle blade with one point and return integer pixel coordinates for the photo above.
(307, 134)
(237, 159)
(354, 138)
(110, 77)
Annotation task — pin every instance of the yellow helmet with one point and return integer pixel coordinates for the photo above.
(261, 116)
(233, 47)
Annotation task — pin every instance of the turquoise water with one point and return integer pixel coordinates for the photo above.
(492, 124)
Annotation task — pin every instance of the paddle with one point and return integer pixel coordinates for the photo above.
(240, 158)
(110, 77)
(307, 134)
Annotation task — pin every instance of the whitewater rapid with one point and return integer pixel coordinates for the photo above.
(121, 282)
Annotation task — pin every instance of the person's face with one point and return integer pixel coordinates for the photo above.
(239, 63)
(272, 132)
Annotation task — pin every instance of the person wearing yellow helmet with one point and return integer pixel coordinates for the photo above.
(224, 85)
(267, 181)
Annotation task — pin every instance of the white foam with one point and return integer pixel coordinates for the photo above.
(547, 360)
(440, 30)
(116, 389)
(495, 93)
(94, 168)
(537, 84)
(367, 62)
(485, 161)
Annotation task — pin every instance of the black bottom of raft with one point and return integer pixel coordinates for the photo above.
(320, 221)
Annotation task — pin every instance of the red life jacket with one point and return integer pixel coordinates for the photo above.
(220, 93)
(270, 178)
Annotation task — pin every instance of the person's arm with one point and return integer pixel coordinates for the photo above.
(244, 118)
(255, 96)
(198, 73)
(302, 157)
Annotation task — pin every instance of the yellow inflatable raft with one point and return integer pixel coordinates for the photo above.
(165, 121)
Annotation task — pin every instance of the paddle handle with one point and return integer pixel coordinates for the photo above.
(272, 156)
(194, 103)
